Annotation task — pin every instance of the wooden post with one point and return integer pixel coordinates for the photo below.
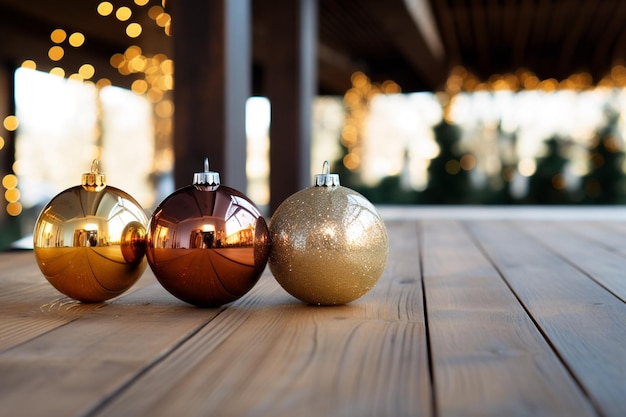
(291, 86)
(7, 107)
(212, 54)
(10, 226)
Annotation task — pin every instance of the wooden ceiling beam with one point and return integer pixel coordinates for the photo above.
(620, 47)
(480, 35)
(522, 34)
(462, 20)
(509, 23)
(448, 31)
(575, 34)
(407, 34)
(421, 13)
(610, 32)
(335, 69)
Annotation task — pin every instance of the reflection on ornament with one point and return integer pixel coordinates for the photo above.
(329, 244)
(207, 244)
(89, 240)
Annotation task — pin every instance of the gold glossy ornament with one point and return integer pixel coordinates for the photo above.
(207, 243)
(89, 240)
(329, 243)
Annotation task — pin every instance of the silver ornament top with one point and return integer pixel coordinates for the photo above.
(207, 180)
(326, 179)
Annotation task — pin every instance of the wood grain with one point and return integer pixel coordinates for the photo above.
(273, 356)
(596, 254)
(584, 322)
(30, 306)
(71, 368)
(524, 316)
(489, 358)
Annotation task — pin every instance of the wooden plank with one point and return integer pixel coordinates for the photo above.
(611, 235)
(274, 356)
(584, 323)
(488, 356)
(600, 262)
(448, 31)
(411, 29)
(30, 306)
(72, 369)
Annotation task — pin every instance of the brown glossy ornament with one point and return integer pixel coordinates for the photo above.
(329, 243)
(207, 243)
(89, 240)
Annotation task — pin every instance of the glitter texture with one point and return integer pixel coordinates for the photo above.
(329, 245)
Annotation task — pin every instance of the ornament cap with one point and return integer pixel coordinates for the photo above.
(326, 179)
(94, 180)
(207, 180)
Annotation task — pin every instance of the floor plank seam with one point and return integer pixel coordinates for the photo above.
(574, 265)
(596, 407)
(431, 365)
(101, 405)
(10, 348)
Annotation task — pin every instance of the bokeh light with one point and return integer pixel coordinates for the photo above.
(9, 181)
(133, 30)
(105, 8)
(76, 39)
(56, 52)
(87, 71)
(11, 123)
(29, 63)
(123, 13)
(58, 35)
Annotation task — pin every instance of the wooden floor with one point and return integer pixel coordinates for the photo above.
(486, 314)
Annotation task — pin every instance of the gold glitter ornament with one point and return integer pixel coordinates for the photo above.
(89, 240)
(329, 243)
(207, 243)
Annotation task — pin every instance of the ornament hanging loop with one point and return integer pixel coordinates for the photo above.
(94, 180)
(207, 180)
(326, 179)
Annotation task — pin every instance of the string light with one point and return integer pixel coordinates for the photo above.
(30, 64)
(56, 53)
(123, 13)
(11, 123)
(58, 35)
(460, 79)
(86, 71)
(76, 39)
(105, 8)
(357, 100)
(156, 82)
(12, 194)
(133, 30)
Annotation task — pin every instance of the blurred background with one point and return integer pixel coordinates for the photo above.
(416, 101)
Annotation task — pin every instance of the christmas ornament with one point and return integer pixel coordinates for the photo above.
(207, 243)
(89, 240)
(329, 244)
